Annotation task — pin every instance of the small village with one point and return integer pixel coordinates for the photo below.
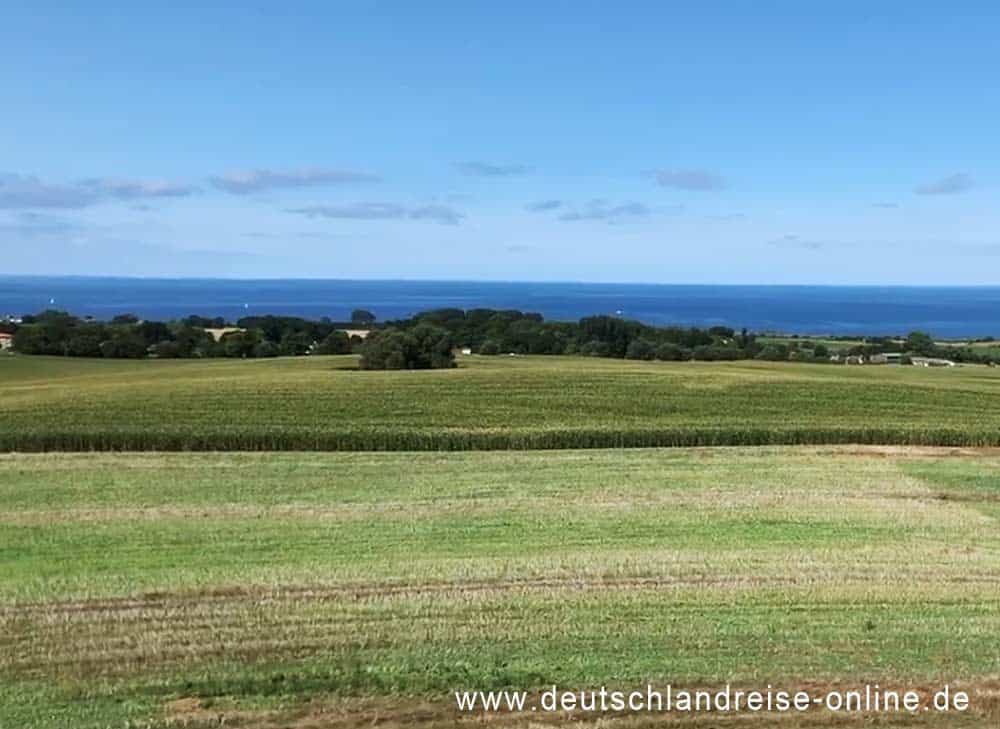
(894, 358)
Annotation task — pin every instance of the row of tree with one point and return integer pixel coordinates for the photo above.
(491, 331)
(921, 344)
(427, 340)
(127, 337)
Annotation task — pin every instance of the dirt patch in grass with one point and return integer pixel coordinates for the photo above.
(401, 712)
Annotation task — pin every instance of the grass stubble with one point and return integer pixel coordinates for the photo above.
(340, 589)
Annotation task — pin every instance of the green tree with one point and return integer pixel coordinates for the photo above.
(387, 349)
(84, 345)
(433, 348)
(489, 347)
(201, 322)
(595, 348)
(153, 332)
(640, 349)
(296, 344)
(165, 350)
(920, 343)
(124, 344)
(669, 352)
(193, 341)
(362, 317)
(773, 353)
(336, 342)
(240, 344)
(716, 353)
(33, 339)
(423, 347)
(266, 348)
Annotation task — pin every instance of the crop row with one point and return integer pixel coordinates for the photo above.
(459, 440)
(522, 403)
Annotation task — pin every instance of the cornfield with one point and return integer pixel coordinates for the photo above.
(487, 404)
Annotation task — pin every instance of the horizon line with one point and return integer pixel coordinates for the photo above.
(575, 282)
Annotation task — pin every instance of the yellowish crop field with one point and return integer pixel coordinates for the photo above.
(324, 403)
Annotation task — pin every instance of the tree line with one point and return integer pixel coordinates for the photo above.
(127, 337)
(428, 340)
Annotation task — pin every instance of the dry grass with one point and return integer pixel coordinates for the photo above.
(331, 589)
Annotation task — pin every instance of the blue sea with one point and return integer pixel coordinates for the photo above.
(944, 312)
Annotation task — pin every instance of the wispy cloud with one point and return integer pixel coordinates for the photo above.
(27, 192)
(520, 248)
(885, 205)
(543, 206)
(354, 211)
(690, 180)
(442, 214)
(950, 185)
(32, 224)
(23, 191)
(437, 213)
(246, 182)
(602, 210)
(123, 189)
(301, 234)
(795, 241)
(126, 256)
(597, 209)
(485, 169)
(726, 217)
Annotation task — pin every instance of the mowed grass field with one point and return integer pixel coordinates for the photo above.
(324, 403)
(348, 589)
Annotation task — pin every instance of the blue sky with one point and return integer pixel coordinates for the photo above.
(736, 142)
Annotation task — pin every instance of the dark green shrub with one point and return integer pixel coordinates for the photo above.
(335, 343)
(640, 349)
(489, 347)
(670, 352)
(423, 347)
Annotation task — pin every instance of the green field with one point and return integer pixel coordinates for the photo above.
(275, 588)
(318, 403)
(834, 345)
(170, 588)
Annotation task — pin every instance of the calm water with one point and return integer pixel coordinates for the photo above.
(945, 312)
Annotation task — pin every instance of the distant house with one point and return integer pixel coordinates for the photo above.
(466, 350)
(359, 333)
(6, 340)
(932, 362)
(886, 358)
(855, 359)
(219, 333)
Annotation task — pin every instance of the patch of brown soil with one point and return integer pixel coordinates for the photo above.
(405, 713)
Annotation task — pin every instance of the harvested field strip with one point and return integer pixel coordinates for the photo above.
(531, 622)
(276, 589)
